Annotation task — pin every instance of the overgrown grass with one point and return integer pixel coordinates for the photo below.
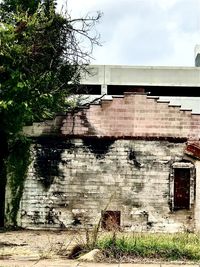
(182, 246)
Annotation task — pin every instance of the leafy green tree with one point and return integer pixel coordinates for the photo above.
(7, 7)
(41, 59)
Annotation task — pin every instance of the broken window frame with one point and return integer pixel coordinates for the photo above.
(182, 165)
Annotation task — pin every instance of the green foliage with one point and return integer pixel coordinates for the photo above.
(40, 61)
(33, 74)
(40, 64)
(17, 165)
(9, 6)
(182, 246)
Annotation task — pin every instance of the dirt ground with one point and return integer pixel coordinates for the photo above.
(31, 248)
(38, 248)
(37, 245)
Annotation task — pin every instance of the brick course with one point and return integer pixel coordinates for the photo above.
(133, 116)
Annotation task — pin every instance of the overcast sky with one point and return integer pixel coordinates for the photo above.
(144, 32)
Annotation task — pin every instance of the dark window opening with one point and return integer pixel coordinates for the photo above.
(172, 91)
(121, 89)
(111, 220)
(154, 90)
(181, 188)
(87, 89)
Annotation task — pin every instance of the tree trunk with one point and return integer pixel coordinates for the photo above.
(3, 156)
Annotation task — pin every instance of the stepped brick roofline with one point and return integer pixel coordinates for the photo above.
(132, 116)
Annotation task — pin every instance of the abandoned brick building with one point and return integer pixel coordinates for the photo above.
(132, 157)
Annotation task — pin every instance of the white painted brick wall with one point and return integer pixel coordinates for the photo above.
(88, 184)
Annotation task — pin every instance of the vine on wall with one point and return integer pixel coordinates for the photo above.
(17, 166)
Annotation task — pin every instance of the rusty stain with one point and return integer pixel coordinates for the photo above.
(193, 150)
(111, 220)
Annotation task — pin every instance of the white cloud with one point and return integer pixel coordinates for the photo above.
(166, 4)
(144, 32)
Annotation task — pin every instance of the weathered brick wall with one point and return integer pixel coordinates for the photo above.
(71, 181)
(133, 116)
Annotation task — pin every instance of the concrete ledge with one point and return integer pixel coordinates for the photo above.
(142, 75)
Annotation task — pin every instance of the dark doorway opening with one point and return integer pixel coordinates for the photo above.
(110, 220)
(181, 188)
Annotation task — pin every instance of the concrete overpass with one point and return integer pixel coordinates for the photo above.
(177, 85)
